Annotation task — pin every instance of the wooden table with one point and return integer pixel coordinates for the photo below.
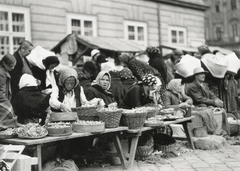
(134, 134)
(38, 143)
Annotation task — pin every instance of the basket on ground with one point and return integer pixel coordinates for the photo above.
(111, 117)
(134, 120)
(87, 113)
(145, 146)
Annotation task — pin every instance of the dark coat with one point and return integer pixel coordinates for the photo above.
(135, 97)
(97, 91)
(157, 62)
(172, 100)
(200, 96)
(30, 104)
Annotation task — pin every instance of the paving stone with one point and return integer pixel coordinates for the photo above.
(199, 164)
(166, 169)
(219, 166)
(233, 164)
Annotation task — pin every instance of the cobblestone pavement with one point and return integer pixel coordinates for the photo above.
(224, 159)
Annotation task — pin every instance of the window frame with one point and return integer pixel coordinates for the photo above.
(27, 26)
(136, 24)
(82, 18)
(177, 29)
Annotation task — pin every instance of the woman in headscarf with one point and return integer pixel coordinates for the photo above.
(29, 103)
(49, 75)
(140, 93)
(101, 88)
(138, 68)
(7, 118)
(175, 96)
(69, 93)
(156, 61)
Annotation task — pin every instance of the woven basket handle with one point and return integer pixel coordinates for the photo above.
(217, 109)
(234, 117)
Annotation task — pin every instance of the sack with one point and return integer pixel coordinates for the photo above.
(60, 165)
(210, 142)
(200, 132)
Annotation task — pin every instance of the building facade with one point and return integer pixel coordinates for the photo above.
(148, 22)
(223, 23)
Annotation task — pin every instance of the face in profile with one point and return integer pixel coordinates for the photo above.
(26, 49)
(104, 82)
(70, 83)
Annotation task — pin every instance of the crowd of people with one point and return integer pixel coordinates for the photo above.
(28, 93)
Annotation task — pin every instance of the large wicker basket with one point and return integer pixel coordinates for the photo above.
(134, 120)
(87, 113)
(145, 146)
(110, 118)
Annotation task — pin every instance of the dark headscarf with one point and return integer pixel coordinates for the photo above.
(125, 57)
(50, 60)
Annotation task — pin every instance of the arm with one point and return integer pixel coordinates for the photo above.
(187, 99)
(82, 96)
(53, 101)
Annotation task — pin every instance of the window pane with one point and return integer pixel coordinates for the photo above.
(18, 22)
(3, 21)
(76, 26)
(16, 41)
(181, 37)
(4, 45)
(131, 35)
(174, 36)
(88, 28)
(140, 34)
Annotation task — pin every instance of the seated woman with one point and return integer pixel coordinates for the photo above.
(69, 93)
(101, 88)
(175, 96)
(29, 103)
(139, 94)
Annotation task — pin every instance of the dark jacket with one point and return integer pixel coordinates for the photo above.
(97, 91)
(171, 100)
(30, 104)
(135, 97)
(200, 96)
(157, 62)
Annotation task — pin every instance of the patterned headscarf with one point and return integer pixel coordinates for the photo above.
(126, 73)
(149, 80)
(152, 50)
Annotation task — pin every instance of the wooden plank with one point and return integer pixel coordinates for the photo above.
(189, 137)
(119, 151)
(38, 153)
(48, 139)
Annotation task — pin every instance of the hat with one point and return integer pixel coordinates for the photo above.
(94, 52)
(101, 59)
(89, 67)
(199, 70)
(9, 59)
(177, 52)
(50, 60)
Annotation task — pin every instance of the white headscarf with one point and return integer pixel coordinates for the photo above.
(27, 80)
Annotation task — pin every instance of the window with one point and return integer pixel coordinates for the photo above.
(14, 27)
(233, 4)
(136, 31)
(83, 25)
(234, 29)
(217, 6)
(177, 35)
(219, 33)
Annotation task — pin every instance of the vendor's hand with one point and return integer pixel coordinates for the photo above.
(64, 108)
(101, 103)
(47, 91)
(184, 105)
(218, 103)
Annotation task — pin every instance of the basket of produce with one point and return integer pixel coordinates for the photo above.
(134, 118)
(88, 126)
(59, 129)
(8, 133)
(63, 116)
(87, 113)
(164, 142)
(156, 121)
(110, 116)
(145, 146)
(31, 131)
(166, 111)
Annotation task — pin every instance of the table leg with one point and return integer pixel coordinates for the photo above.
(38, 153)
(120, 151)
(133, 148)
(189, 136)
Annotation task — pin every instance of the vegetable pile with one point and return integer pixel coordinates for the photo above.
(31, 130)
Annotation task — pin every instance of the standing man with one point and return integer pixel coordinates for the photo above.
(22, 65)
(175, 57)
(199, 91)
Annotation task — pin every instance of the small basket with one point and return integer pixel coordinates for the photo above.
(145, 146)
(165, 148)
(111, 119)
(217, 113)
(87, 113)
(134, 120)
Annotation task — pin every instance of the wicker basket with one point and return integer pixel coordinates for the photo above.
(87, 113)
(145, 146)
(165, 148)
(134, 120)
(152, 113)
(217, 113)
(111, 119)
